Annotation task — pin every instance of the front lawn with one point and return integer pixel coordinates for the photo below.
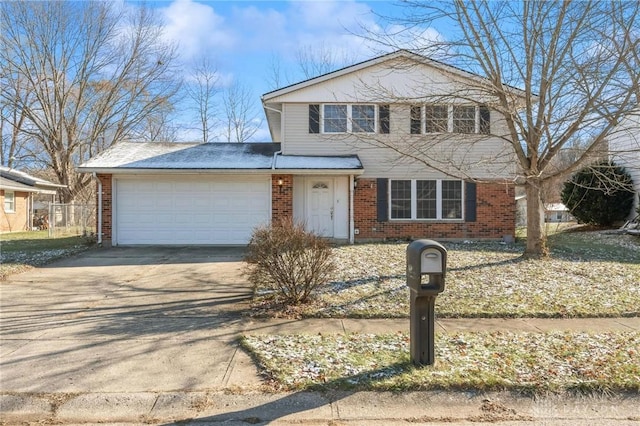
(20, 251)
(590, 274)
(531, 363)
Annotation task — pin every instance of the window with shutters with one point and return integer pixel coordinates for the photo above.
(346, 118)
(467, 119)
(416, 199)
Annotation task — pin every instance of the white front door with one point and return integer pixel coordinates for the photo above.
(321, 210)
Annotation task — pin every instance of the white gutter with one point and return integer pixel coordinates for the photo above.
(99, 230)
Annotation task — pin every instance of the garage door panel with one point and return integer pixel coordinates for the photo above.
(187, 210)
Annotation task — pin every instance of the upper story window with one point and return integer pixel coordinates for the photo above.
(347, 118)
(425, 199)
(344, 118)
(464, 119)
(436, 118)
(467, 119)
(335, 118)
(9, 201)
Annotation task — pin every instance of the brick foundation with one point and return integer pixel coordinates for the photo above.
(495, 217)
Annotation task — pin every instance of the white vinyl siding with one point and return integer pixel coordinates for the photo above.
(488, 159)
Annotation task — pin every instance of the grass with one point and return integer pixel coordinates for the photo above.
(531, 363)
(589, 274)
(20, 251)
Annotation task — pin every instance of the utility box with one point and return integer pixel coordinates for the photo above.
(426, 270)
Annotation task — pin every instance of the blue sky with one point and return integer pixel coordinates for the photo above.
(243, 39)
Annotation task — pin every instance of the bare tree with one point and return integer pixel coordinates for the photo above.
(576, 64)
(94, 72)
(242, 121)
(14, 145)
(203, 88)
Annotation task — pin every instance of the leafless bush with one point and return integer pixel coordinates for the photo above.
(286, 258)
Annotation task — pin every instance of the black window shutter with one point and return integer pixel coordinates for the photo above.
(485, 120)
(416, 120)
(470, 202)
(383, 118)
(314, 118)
(382, 199)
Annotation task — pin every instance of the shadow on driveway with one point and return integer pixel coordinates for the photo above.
(125, 320)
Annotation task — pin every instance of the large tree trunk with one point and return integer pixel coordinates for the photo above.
(536, 238)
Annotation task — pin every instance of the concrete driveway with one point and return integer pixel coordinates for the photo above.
(126, 319)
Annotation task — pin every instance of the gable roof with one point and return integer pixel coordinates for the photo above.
(16, 180)
(404, 54)
(126, 157)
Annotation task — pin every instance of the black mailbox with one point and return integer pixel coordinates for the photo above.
(426, 267)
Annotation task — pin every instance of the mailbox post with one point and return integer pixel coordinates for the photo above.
(426, 267)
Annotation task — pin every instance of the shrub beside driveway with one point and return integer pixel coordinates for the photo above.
(590, 274)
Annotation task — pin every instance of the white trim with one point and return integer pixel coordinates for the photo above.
(414, 202)
(13, 201)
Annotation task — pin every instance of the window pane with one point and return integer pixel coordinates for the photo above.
(464, 119)
(436, 118)
(9, 201)
(401, 199)
(451, 199)
(363, 118)
(427, 197)
(335, 118)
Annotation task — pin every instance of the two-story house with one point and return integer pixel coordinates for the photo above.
(395, 147)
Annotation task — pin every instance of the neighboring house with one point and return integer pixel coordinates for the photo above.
(624, 148)
(17, 190)
(325, 166)
(557, 212)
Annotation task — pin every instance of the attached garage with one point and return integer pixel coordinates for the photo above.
(156, 193)
(189, 210)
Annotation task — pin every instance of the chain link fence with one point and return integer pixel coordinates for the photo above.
(65, 220)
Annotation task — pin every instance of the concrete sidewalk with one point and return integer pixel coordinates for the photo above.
(150, 335)
(233, 395)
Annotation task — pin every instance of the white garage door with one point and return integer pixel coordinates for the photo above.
(190, 210)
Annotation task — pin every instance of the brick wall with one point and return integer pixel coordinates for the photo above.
(281, 197)
(16, 220)
(107, 203)
(495, 216)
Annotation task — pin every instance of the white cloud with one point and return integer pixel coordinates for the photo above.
(197, 28)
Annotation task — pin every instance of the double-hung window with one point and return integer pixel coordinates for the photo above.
(9, 202)
(464, 119)
(417, 199)
(436, 118)
(344, 118)
(363, 118)
(335, 118)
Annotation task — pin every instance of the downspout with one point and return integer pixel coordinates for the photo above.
(99, 230)
(351, 220)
